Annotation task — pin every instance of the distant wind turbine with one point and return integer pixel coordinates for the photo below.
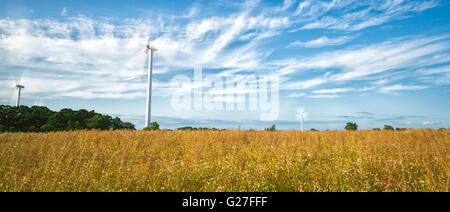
(301, 115)
(15, 95)
(19, 88)
(150, 49)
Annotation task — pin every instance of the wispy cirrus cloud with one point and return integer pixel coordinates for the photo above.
(341, 90)
(367, 63)
(324, 96)
(428, 123)
(375, 13)
(400, 87)
(321, 42)
(294, 95)
(100, 58)
(80, 56)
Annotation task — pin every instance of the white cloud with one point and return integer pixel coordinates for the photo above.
(435, 70)
(286, 5)
(342, 90)
(334, 90)
(99, 59)
(322, 41)
(400, 87)
(303, 84)
(314, 9)
(375, 13)
(324, 96)
(367, 62)
(293, 95)
(381, 82)
(427, 123)
(106, 59)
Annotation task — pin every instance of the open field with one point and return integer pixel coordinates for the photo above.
(411, 160)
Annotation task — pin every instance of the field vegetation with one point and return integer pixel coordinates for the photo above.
(227, 160)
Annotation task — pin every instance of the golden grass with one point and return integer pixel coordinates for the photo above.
(412, 160)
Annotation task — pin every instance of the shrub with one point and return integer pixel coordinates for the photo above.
(153, 126)
(351, 126)
(388, 127)
(313, 129)
(187, 128)
(273, 128)
(46, 128)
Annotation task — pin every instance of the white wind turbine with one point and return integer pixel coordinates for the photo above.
(301, 115)
(150, 49)
(19, 88)
(15, 97)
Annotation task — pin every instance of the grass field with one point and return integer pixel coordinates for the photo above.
(411, 160)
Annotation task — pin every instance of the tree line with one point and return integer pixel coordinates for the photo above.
(42, 119)
(354, 126)
(155, 126)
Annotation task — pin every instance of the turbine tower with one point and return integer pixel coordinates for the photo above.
(301, 120)
(19, 88)
(150, 50)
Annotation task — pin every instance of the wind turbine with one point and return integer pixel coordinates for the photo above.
(300, 115)
(150, 49)
(19, 88)
(15, 95)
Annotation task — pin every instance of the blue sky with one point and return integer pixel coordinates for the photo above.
(370, 62)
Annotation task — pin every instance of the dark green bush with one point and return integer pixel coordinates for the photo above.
(152, 126)
(273, 128)
(351, 126)
(388, 127)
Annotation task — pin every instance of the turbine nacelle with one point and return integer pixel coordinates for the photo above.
(152, 48)
(20, 86)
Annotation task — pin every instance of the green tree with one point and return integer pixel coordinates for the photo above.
(99, 122)
(60, 120)
(388, 127)
(38, 116)
(46, 128)
(128, 125)
(186, 128)
(351, 126)
(273, 128)
(152, 126)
